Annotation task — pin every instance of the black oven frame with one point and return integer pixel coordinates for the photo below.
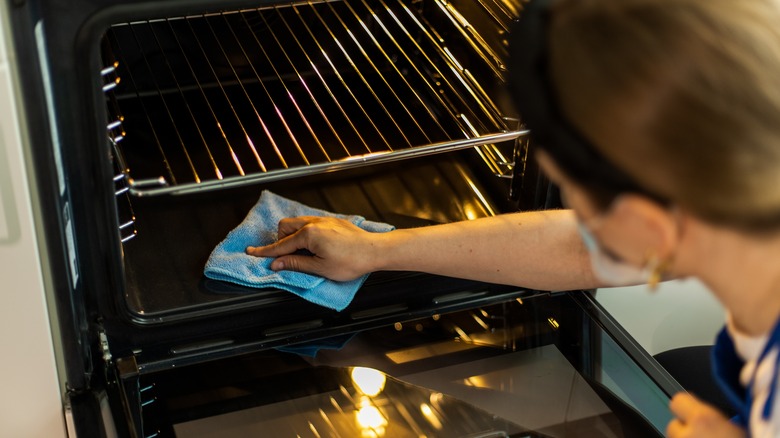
(66, 112)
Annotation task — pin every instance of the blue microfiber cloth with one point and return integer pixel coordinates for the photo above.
(310, 349)
(229, 261)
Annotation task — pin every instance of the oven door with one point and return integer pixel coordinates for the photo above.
(551, 365)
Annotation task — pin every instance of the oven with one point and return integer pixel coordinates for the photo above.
(157, 125)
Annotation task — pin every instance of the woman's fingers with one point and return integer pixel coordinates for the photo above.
(291, 225)
(337, 248)
(288, 238)
(287, 245)
(683, 405)
(298, 263)
(696, 419)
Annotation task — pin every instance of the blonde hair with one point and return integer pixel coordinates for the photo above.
(683, 95)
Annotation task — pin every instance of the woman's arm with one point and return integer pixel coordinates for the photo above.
(540, 250)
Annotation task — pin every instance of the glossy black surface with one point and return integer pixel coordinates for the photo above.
(170, 301)
(543, 366)
(164, 263)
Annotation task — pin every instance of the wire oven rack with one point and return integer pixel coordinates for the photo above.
(233, 98)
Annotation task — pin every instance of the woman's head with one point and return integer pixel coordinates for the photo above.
(683, 96)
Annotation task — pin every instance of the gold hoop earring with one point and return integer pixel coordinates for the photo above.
(657, 268)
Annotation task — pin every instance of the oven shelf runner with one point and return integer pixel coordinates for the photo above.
(231, 98)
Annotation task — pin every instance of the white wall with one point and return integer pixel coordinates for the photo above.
(30, 402)
(679, 313)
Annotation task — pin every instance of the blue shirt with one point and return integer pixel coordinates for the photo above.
(740, 377)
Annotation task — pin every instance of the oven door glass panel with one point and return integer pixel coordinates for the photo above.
(367, 403)
(543, 366)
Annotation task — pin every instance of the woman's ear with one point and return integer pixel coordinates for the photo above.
(645, 227)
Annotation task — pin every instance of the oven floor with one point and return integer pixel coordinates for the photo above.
(164, 263)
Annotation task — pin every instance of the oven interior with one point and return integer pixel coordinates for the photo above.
(390, 109)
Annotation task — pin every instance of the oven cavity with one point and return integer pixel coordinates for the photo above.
(216, 106)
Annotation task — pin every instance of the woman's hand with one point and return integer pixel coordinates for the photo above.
(698, 419)
(338, 249)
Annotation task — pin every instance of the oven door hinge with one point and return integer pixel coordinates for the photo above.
(133, 403)
(122, 375)
(105, 349)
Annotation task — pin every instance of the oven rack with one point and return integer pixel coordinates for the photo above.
(235, 98)
(502, 12)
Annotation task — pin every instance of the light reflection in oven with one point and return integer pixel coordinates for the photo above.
(370, 420)
(368, 381)
(430, 415)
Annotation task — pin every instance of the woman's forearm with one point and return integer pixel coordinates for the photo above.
(540, 250)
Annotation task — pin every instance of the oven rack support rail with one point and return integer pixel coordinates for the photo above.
(161, 187)
(116, 133)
